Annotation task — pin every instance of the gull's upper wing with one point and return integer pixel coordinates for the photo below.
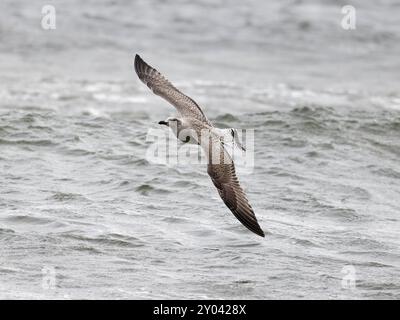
(224, 177)
(186, 106)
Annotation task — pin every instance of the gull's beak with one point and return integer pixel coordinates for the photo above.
(163, 122)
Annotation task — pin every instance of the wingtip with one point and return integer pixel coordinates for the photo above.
(140, 65)
(260, 233)
(137, 63)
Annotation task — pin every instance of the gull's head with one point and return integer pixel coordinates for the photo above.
(179, 127)
(170, 122)
(173, 123)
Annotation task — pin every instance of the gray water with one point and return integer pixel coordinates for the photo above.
(80, 202)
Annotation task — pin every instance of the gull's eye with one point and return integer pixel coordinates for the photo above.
(187, 139)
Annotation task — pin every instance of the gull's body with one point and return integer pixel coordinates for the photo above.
(193, 126)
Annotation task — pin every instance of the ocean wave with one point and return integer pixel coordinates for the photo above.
(146, 189)
(67, 196)
(108, 240)
(35, 142)
(28, 219)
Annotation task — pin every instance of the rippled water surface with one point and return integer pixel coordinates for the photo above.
(79, 196)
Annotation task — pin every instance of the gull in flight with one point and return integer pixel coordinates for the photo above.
(194, 127)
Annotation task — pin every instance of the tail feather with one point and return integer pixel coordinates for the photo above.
(230, 136)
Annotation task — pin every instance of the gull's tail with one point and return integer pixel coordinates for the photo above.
(230, 137)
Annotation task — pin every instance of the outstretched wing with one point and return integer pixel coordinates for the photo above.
(186, 106)
(224, 178)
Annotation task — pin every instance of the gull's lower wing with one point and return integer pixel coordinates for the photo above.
(224, 178)
(186, 106)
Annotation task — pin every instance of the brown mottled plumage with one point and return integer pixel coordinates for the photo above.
(223, 173)
(186, 106)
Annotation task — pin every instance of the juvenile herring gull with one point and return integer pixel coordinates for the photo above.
(194, 125)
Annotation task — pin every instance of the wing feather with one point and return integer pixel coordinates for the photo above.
(160, 85)
(225, 180)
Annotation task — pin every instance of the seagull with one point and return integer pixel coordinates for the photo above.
(193, 126)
